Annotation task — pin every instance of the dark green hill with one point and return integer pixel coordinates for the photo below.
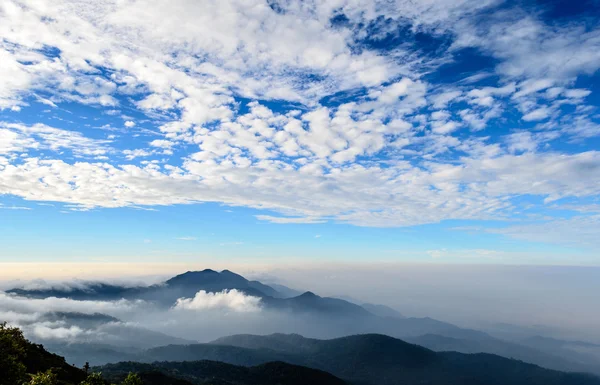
(211, 372)
(230, 354)
(20, 358)
(381, 360)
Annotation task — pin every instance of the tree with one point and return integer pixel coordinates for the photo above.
(132, 379)
(44, 378)
(12, 353)
(94, 379)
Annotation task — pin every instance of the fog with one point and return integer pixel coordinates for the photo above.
(562, 298)
(509, 302)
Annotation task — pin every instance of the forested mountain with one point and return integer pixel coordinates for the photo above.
(211, 372)
(19, 359)
(373, 359)
(22, 362)
(283, 359)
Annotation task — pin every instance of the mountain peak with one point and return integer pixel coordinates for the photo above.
(190, 276)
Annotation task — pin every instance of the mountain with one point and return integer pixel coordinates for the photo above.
(585, 354)
(231, 354)
(95, 353)
(310, 302)
(554, 343)
(382, 310)
(20, 359)
(505, 349)
(284, 291)
(375, 359)
(106, 330)
(211, 372)
(189, 283)
(312, 314)
(286, 343)
(185, 285)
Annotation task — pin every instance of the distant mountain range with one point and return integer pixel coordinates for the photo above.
(186, 285)
(219, 373)
(317, 316)
(370, 359)
(282, 359)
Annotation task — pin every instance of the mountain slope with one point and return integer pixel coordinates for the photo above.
(183, 285)
(310, 302)
(381, 360)
(381, 310)
(502, 348)
(211, 372)
(20, 358)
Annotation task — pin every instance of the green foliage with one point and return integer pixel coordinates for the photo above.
(132, 379)
(93, 379)
(44, 378)
(12, 354)
(18, 357)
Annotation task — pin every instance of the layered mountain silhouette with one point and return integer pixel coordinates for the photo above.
(367, 359)
(382, 310)
(21, 359)
(213, 373)
(322, 317)
(548, 358)
(186, 285)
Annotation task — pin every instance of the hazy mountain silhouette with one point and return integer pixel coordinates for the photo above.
(321, 316)
(382, 310)
(284, 291)
(372, 359)
(211, 372)
(547, 359)
(310, 302)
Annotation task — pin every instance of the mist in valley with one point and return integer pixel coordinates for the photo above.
(515, 312)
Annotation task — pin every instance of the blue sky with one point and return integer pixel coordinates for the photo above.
(430, 131)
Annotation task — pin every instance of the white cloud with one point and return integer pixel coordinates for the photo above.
(137, 153)
(228, 300)
(395, 153)
(282, 220)
(478, 188)
(46, 332)
(578, 231)
(162, 143)
(538, 114)
(16, 137)
(52, 304)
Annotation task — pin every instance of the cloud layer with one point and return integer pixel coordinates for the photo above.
(345, 111)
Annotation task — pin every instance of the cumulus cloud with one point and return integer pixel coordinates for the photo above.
(229, 300)
(285, 110)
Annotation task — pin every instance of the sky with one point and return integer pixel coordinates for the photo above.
(247, 131)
